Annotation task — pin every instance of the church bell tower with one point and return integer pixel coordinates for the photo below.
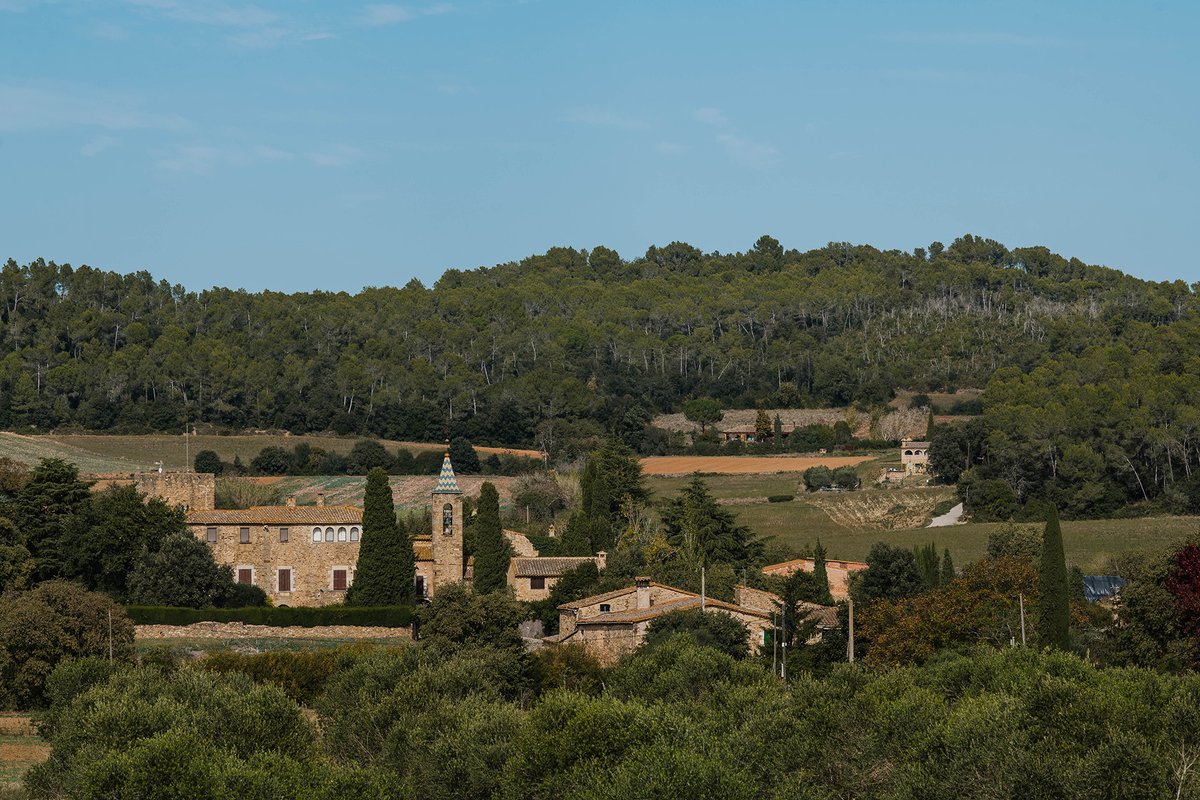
(447, 529)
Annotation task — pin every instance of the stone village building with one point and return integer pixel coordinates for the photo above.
(615, 623)
(532, 577)
(306, 555)
(837, 571)
(914, 457)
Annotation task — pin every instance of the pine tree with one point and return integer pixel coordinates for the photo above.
(821, 573)
(762, 426)
(929, 426)
(1054, 611)
(492, 551)
(947, 567)
(386, 565)
(464, 457)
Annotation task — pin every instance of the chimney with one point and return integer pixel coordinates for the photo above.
(601, 559)
(643, 592)
(291, 501)
(320, 498)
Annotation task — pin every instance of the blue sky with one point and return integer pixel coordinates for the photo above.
(306, 145)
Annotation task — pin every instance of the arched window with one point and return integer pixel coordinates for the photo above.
(316, 534)
(447, 519)
(908, 452)
(341, 534)
(329, 534)
(354, 534)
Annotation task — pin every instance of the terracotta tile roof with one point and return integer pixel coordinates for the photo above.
(278, 515)
(797, 563)
(682, 604)
(547, 566)
(600, 598)
(826, 616)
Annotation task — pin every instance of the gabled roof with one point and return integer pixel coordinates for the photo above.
(547, 566)
(798, 563)
(600, 598)
(278, 515)
(447, 483)
(682, 604)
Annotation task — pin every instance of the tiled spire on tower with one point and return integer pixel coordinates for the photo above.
(447, 483)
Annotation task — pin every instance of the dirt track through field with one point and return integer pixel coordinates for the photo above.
(743, 465)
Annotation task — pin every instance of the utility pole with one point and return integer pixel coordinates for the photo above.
(1021, 597)
(784, 645)
(850, 606)
(702, 603)
(774, 643)
(187, 449)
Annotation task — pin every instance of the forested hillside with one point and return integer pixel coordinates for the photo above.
(570, 341)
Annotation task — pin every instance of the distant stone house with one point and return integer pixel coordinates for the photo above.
(613, 624)
(914, 457)
(838, 571)
(532, 577)
(306, 555)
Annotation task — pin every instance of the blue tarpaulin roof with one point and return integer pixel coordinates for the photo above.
(1098, 587)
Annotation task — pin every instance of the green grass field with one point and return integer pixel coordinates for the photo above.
(17, 754)
(1089, 543)
(97, 453)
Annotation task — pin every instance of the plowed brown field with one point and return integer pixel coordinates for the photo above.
(742, 465)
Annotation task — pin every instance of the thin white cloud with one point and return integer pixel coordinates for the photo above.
(46, 107)
(603, 117)
(248, 25)
(747, 152)
(378, 15)
(201, 159)
(972, 39)
(97, 145)
(340, 155)
(711, 116)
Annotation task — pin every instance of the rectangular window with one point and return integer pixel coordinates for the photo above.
(244, 535)
(419, 583)
(283, 534)
(245, 575)
(285, 580)
(537, 583)
(211, 535)
(339, 580)
(605, 608)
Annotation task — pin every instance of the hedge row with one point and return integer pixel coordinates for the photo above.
(780, 498)
(381, 616)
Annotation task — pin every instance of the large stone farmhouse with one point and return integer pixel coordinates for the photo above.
(306, 555)
(532, 577)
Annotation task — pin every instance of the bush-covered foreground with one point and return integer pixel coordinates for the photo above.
(674, 720)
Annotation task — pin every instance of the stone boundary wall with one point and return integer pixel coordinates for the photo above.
(240, 630)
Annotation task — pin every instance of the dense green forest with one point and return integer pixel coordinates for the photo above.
(1092, 393)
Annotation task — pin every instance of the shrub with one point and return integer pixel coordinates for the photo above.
(301, 674)
(780, 498)
(714, 629)
(209, 461)
(181, 573)
(818, 478)
(55, 622)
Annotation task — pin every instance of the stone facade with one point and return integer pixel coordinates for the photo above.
(914, 456)
(306, 555)
(195, 491)
(532, 577)
(298, 555)
(838, 571)
(614, 624)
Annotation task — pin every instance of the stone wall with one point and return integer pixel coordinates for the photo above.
(195, 491)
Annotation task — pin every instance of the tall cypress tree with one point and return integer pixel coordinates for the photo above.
(492, 551)
(1054, 611)
(821, 573)
(947, 567)
(386, 564)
